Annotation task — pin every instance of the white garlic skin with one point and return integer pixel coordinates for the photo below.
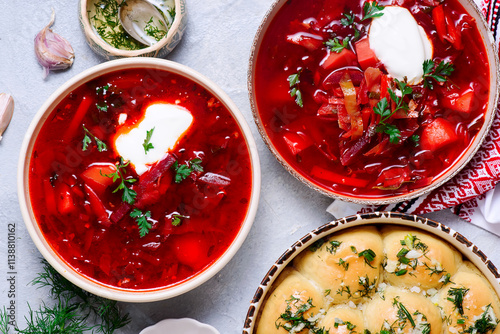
(6, 111)
(52, 51)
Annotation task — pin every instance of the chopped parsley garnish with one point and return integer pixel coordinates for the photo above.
(152, 30)
(487, 322)
(383, 109)
(372, 10)
(142, 221)
(369, 256)
(456, 296)
(147, 142)
(334, 246)
(103, 89)
(439, 73)
(101, 146)
(337, 45)
(183, 171)
(177, 219)
(102, 106)
(294, 81)
(128, 195)
(348, 19)
(415, 139)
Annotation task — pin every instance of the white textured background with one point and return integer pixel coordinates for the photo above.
(217, 44)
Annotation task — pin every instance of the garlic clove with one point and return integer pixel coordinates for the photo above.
(53, 52)
(6, 111)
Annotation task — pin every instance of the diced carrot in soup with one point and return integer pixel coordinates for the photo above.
(335, 60)
(463, 102)
(438, 134)
(366, 56)
(95, 176)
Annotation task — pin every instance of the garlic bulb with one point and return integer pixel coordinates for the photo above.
(53, 51)
(6, 111)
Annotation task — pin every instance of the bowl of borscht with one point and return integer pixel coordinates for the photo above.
(138, 179)
(373, 102)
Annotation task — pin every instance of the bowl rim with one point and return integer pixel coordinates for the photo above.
(87, 283)
(165, 326)
(90, 33)
(465, 157)
(456, 239)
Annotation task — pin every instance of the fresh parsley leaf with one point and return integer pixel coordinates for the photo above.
(177, 219)
(439, 73)
(391, 130)
(102, 89)
(298, 97)
(142, 221)
(372, 10)
(147, 142)
(101, 146)
(348, 19)
(86, 142)
(128, 194)
(415, 139)
(382, 108)
(196, 165)
(294, 80)
(336, 45)
(183, 171)
(102, 106)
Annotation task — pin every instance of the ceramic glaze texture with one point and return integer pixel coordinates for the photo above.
(330, 181)
(387, 223)
(113, 292)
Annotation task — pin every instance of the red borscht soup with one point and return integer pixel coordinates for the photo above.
(370, 99)
(140, 179)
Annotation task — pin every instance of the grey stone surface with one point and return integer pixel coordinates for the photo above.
(217, 44)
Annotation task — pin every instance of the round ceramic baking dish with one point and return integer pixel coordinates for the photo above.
(468, 250)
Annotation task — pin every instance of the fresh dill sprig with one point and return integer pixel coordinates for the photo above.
(75, 310)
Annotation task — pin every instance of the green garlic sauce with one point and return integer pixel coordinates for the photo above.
(103, 15)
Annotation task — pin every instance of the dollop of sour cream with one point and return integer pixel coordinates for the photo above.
(169, 122)
(400, 43)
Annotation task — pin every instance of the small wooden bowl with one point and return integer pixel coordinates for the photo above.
(160, 49)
